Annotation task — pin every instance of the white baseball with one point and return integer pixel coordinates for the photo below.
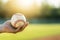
(17, 20)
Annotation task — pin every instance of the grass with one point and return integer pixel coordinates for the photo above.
(33, 31)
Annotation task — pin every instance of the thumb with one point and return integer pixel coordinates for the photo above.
(22, 28)
(7, 22)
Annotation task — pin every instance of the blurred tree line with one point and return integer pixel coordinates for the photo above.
(49, 12)
(2, 10)
(46, 12)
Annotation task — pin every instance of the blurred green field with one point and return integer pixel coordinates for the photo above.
(33, 31)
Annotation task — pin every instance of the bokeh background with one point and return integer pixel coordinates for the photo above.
(43, 17)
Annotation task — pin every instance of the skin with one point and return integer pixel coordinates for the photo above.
(7, 27)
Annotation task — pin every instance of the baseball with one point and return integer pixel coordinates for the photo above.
(18, 20)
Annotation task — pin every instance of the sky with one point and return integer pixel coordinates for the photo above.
(55, 3)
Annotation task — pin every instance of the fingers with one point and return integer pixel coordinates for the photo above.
(26, 24)
(22, 28)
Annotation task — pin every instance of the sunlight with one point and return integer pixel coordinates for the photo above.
(4, 1)
(38, 2)
(55, 3)
(25, 4)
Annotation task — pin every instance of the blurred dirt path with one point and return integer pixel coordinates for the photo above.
(55, 37)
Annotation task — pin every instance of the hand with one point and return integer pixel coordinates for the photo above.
(19, 29)
(10, 29)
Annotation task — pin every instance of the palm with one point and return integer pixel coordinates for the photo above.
(9, 28)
